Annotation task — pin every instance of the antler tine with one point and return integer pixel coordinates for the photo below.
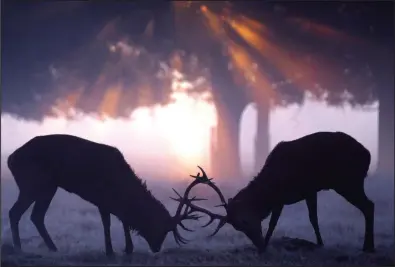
(178, 238)
(179, 199)
(222, 222)
(184, 227)
(203, 172)
(191, 208)
(213, 216)
(189, 216)
(175, 191)
(222, 219)
(183, 200)
(213, 186)
(209, 222)
(198, 180)
(188, 213)
(197, 199)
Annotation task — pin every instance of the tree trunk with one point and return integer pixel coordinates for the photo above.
(386, 125)
(229, 98)
(226, 157)
(262, 138)
(230, 102)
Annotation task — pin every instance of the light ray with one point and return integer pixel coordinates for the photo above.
(293, 68)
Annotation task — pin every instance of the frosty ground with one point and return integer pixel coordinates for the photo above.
(77, 231)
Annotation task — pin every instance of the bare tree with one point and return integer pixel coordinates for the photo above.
(294, 171)
(97, 173)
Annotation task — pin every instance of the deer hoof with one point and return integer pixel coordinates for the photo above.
(369, 250)
(261, 250)
(110, 254)
(128, 250)
(53, 249)
(17, 249)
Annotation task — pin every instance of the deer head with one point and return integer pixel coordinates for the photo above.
(159, 222)
(240, 213)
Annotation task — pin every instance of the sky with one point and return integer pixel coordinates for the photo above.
(65, 64)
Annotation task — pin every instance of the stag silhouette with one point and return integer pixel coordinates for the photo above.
(99, 174)
(294, 171)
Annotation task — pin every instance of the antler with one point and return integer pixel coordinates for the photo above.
(204, 179)
(187, 215)
(191, 208)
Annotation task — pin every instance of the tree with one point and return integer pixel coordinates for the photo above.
(342, 55)
(254, 51)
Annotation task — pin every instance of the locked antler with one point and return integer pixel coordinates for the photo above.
(191, 208)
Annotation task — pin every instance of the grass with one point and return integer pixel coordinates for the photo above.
(76, 229)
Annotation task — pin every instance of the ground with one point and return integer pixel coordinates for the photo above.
(77, 231)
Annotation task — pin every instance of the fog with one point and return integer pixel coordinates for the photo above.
(76, 228)
(177, 137)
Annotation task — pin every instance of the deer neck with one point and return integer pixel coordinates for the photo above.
(143, 210)
(260, 198)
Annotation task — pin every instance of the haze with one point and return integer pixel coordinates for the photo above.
(145, 137)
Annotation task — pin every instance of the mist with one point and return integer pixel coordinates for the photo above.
(143, 137)
(76, 227)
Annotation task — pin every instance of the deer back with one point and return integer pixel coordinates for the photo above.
(319, 161)
(96, 172)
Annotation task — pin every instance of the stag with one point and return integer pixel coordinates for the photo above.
(294, 171)
(99, 174)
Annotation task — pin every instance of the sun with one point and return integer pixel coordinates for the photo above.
(186, 125)
(187, 133)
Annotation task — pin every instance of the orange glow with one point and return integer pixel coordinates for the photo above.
(214, 23)
(260, 85)
(294, 68)
(184, 124)
(188, 131)
(144, 95)
(63, 107)
(110, 101)
(244, 70)
(187, 122)
(291, 66)
(324, 30)
(313, 73)
(253, 23)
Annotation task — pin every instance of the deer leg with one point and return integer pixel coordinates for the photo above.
(18, 209)
(358, 198)
(311, 202)
(40, 208)
(128, 240)
(106, 220)
(276, 212)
